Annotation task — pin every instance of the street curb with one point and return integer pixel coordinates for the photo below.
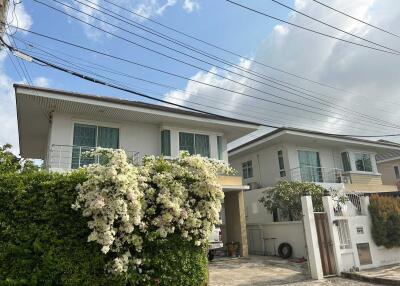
(376, 280)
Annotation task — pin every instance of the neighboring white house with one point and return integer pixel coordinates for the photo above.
(59, 126)
(389, 166)
(335, 162)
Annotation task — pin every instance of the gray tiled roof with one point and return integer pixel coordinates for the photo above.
(389, 154)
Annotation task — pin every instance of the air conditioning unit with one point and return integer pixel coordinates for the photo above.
(254, 185)
(346, 179)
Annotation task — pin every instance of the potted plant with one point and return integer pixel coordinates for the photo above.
(232, 248)
(236, 247)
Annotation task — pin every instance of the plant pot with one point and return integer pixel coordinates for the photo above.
(231, 249)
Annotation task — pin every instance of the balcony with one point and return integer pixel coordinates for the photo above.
(314, 174)
(66, 157)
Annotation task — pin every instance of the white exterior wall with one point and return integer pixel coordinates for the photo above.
(265, 165)
(133, 136)
(261, 228)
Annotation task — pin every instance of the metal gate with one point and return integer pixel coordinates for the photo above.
(325, 244)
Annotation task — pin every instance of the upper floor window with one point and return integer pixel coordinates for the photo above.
(247, 169)
(87, 137)
(396, 172)
(346, 161)
(166, 142)
(220, 148)
(363, 162)
(281, 163)
(194, 143)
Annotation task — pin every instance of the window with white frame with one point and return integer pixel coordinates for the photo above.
(363, 162)
(247, 168)
(194, 143)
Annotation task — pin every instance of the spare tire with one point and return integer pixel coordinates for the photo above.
(285, 250)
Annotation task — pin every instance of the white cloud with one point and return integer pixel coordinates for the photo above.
(191, 5)
(8, 118)
(370, 76)
(17, 16)
(41, 81)
(145, 8)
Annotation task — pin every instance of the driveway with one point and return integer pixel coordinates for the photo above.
(265, 270)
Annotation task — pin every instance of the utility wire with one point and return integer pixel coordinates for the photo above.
(311, 30)
(333, 27)
(224, 49)
(354, 18)
(94, 80)
(259, 75)
(196, 81)
(96, 66)
(205, 70)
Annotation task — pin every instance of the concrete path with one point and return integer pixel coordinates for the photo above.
(388, 275)
(263, 271)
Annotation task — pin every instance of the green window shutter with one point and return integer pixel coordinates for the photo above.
(202, 145)
(166, 142)
(220, 148)
(186, 142)
(84, 140)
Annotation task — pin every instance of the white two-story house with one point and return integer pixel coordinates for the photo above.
(334, 162)
(59, 126)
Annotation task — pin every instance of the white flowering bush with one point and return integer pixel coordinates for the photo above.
(133, 206)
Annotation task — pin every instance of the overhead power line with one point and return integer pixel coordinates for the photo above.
(222, 48)
(333, 27)
(354, 18)
(312, 111)
(101, 82)
(262, 76)
(252, 109)
(311, 30)
(366, 117)
(97, 81)
(225, 50)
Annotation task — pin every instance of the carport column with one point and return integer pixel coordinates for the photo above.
(314, 257)
(328, 207)
(235, 220)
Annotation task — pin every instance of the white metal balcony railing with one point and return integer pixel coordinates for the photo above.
(314, 174)
(67, 157)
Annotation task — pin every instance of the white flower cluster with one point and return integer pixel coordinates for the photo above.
(129, 205)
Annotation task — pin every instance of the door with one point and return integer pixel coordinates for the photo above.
(325, 244)
(310, 166)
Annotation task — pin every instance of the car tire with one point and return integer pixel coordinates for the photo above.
(210, 255)
(285, 250)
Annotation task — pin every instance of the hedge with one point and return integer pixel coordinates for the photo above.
(385, 219)
(43, 241)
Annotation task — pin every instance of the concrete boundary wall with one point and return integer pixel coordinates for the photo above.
(260, 238)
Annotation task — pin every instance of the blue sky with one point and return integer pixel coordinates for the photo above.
(369, 78)
(215, 21)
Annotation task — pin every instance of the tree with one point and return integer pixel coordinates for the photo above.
(286, 196)
(9, 163)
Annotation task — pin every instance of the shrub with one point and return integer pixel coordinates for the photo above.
(131, 208)
(286, 196)
(44, 241)
(385, 219)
